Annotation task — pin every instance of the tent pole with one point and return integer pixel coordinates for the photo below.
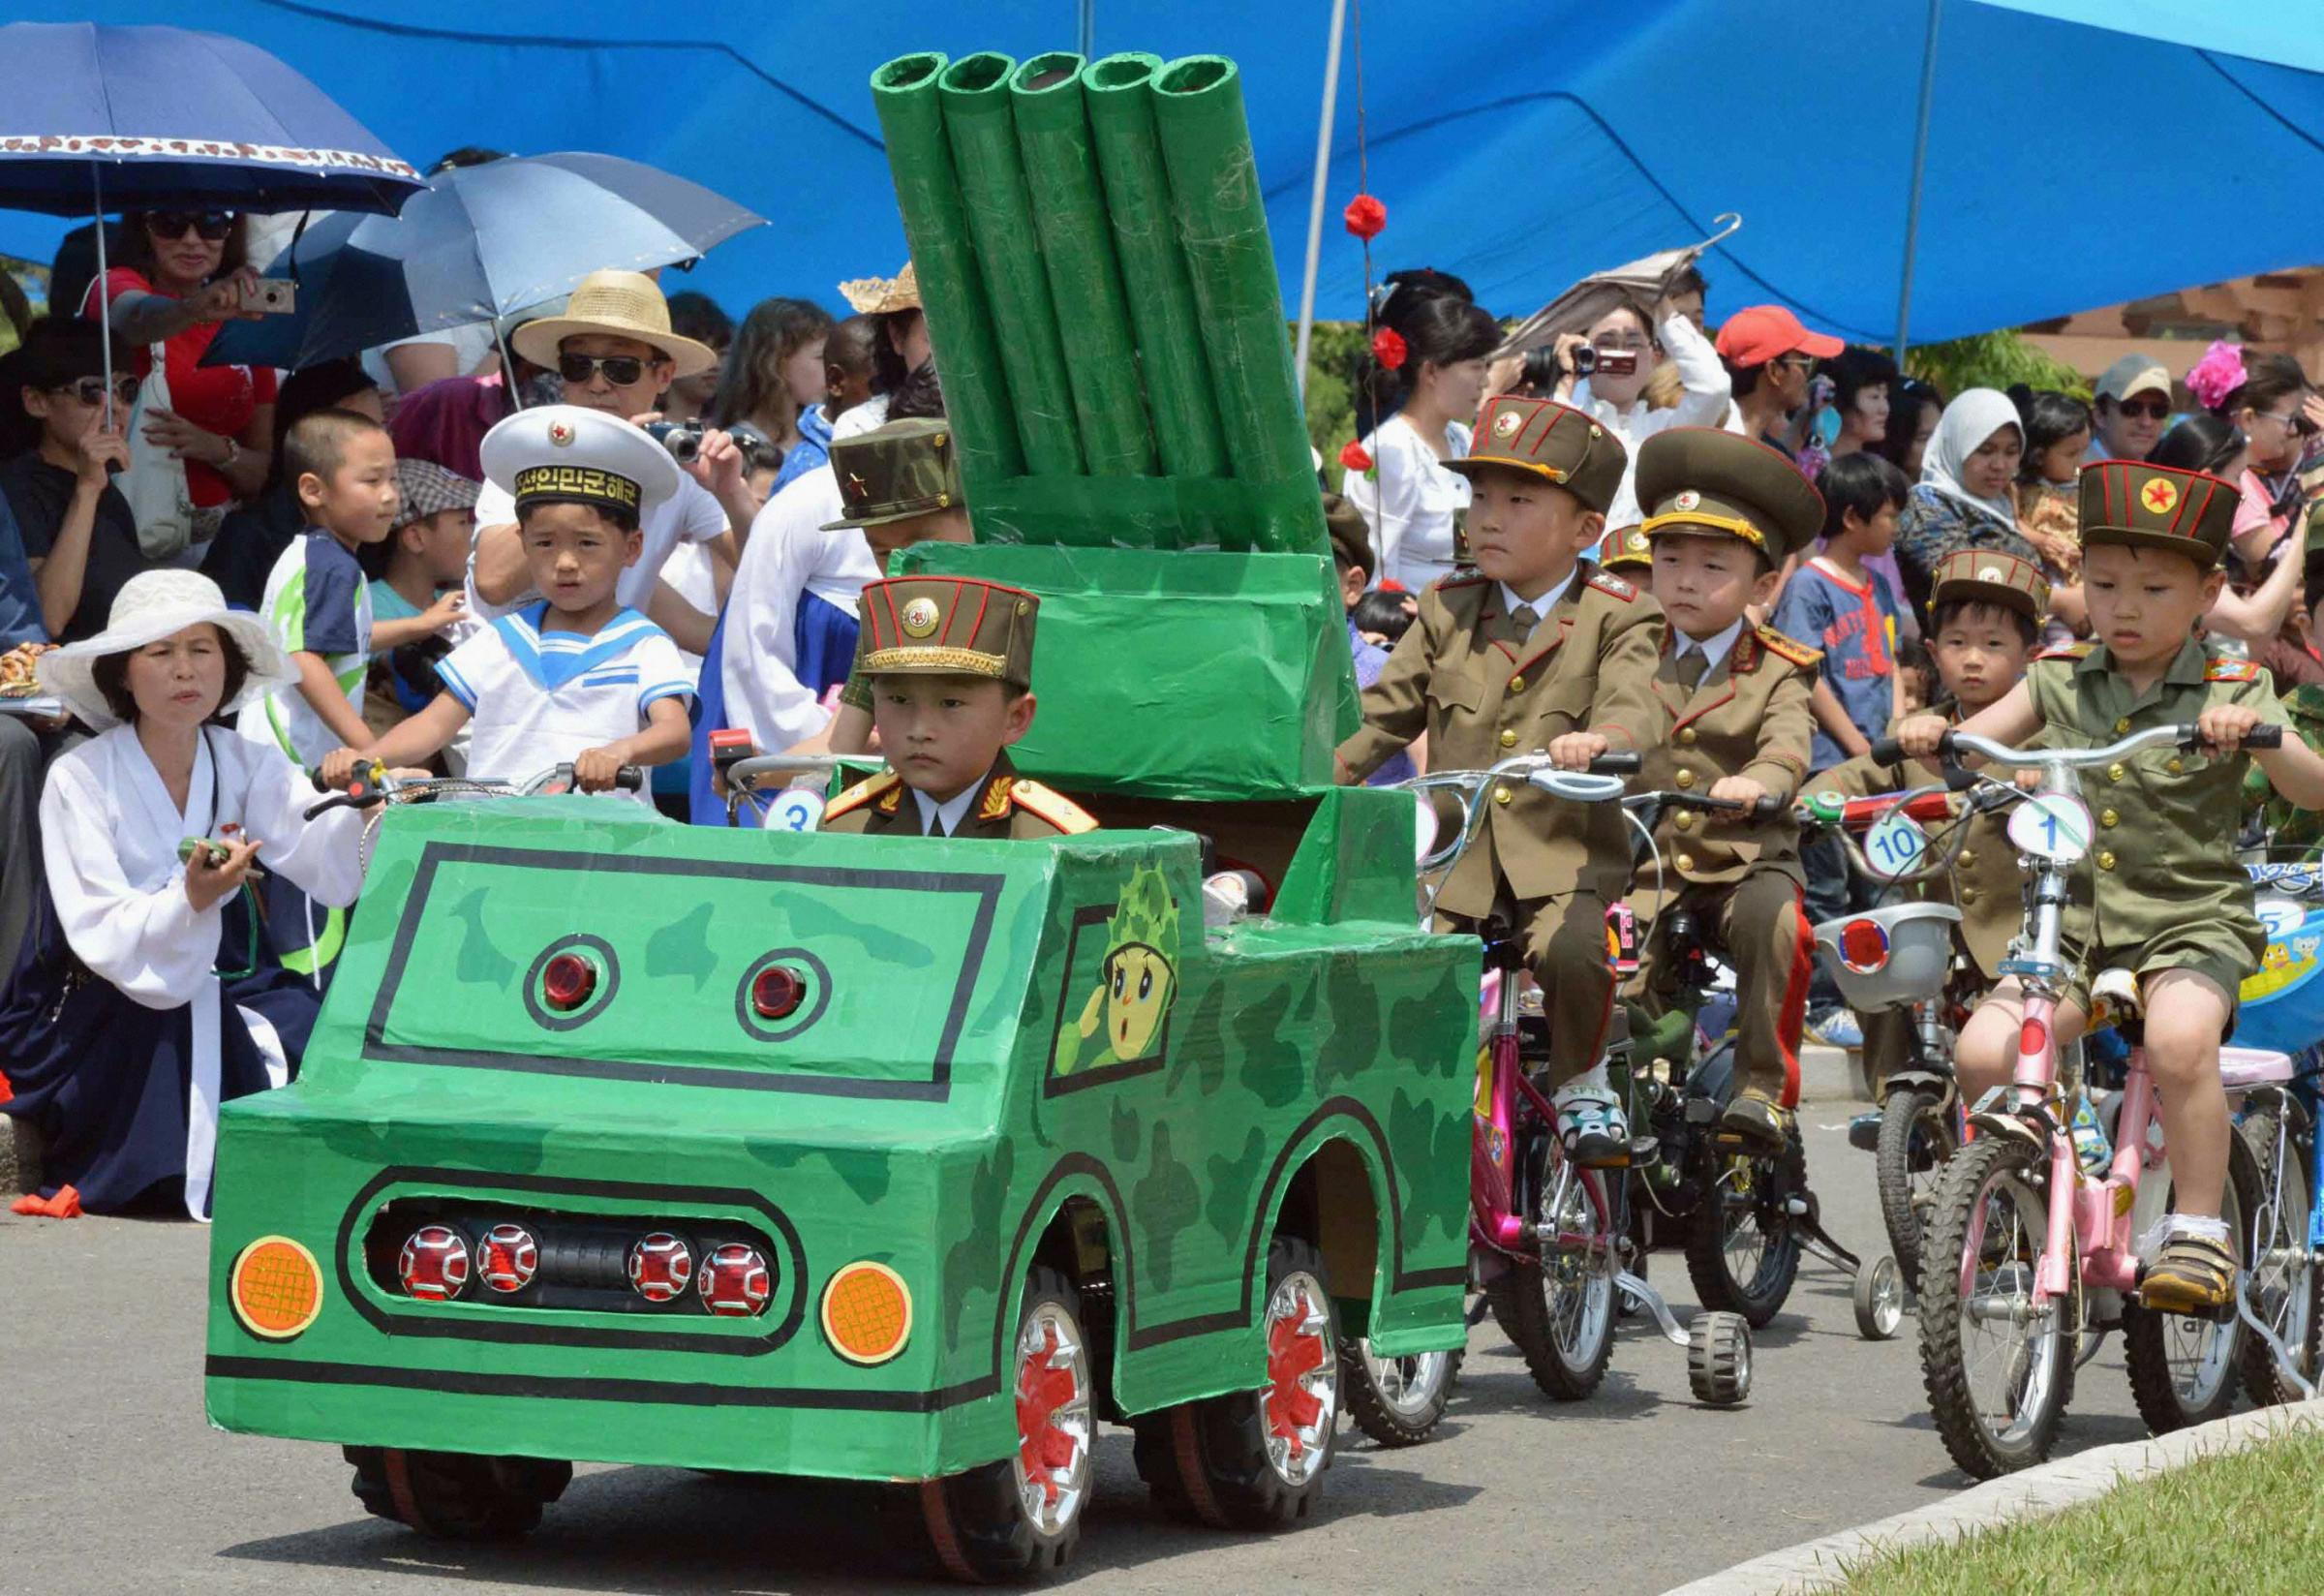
(1920, 160)
(1315, 200)
(1086, 30)
(105, 291)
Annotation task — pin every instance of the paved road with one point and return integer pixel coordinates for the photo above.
(109, 1480)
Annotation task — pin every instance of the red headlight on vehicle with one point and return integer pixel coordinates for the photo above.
(433, 1264)
(506, 1258)
(1863, 947)
(567, 982)
(660, 1266)
(735, 1282)
(775, 991)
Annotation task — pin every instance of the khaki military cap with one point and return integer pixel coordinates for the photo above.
(948, 625)
(1551, 440)
(903, 469)
(1988, 576)
(2156, 507)
(1704, 482)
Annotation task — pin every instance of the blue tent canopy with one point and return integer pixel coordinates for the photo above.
(2068, 165)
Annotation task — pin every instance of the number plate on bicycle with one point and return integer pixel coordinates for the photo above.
(1895, 846)
(794, 809)
(2051, 825)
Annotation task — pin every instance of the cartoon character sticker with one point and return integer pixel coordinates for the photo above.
(1123, 1024)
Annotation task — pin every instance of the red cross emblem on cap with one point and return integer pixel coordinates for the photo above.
(2159, 496)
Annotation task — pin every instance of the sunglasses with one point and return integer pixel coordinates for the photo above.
(90, 390)
(2151, 409)
(621, 370)
(212, 225)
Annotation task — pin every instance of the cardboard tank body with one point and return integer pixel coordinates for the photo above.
(959, 1089)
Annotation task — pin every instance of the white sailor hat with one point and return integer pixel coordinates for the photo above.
(563, 455)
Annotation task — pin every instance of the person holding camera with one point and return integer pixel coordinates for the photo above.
(1406, 496)
(1603, 372)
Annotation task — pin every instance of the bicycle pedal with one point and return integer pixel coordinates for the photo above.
(1864, 1132)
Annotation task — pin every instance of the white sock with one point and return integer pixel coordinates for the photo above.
(1592, 1081)
(2199, 1228)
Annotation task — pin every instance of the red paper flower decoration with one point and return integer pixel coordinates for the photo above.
(1352, 455)
(1389, 584)
(1387, 348)
(1366, 217)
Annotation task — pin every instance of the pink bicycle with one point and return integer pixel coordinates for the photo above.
(2029, 1259)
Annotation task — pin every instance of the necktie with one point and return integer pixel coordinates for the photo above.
(1524, 619)
(1691, 667)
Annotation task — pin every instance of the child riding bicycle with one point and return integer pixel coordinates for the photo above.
(1536, 652)
(2168, 899)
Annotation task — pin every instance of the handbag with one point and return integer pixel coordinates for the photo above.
(155, 482)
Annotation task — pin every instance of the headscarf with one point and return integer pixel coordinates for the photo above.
(1975, 415)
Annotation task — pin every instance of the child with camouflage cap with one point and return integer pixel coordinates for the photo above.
(2168, 901)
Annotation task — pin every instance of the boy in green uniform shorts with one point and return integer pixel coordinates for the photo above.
(2167, 899)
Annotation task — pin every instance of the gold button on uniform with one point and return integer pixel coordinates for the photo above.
(1685, 737)
(2109, 820)
(1500, 795)
(1509, 739)
(1517, 684)
(2121, 725)
(1966, 861)
(1968, 895)
(2105, 861)
(1683, 820)
(2177, 766)
(1686, 861)
(1685, 779)
(2114, 772)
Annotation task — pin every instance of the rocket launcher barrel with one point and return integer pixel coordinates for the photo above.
(1119, 93)
(952, 284)
(1084, 280)
(974, 91)
(1222, 225)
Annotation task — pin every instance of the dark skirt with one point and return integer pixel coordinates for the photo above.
(108, 1082)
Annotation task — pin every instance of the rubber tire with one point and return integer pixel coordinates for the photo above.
(1371, 1409)
(1205, 1461)
(1865, 1295)
(1892, 1171)
(1941, 1370)
(456, 1495)
(1706, 1254)
(2263, 1382)
(1522, 1312)
(2143, 1334)
(1719, 1358)
(975, 1520)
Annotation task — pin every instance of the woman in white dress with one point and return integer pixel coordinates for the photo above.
(1407, 498)
(147, 996)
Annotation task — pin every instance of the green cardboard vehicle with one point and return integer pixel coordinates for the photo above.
(910, 1160)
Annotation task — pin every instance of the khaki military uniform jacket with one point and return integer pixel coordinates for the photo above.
(1984, 883)
(1748, 717)
(1463, 675)
(2162, 856)
(1011, 806)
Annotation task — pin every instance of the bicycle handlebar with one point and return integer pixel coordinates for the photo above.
(365, 794)
(1768, 807)
(2187, 737)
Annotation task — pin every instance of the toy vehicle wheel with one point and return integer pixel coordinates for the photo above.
(1397, 1400)
(1998, 1375)
(2285, 1287)
(456, 1495)
(1256, 1460)
(1742, 1252)
(1021, 1516)
(2184, 1370)
(1560, 1310)
(1719, 1358)
(1916, 1138)
(1879, 1298)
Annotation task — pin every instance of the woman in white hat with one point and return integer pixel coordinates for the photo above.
(146, 996)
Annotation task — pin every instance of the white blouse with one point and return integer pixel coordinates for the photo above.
(1409, 501)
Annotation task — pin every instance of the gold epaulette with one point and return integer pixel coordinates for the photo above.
(885, 783)
(1788, 648)
(1053, 806)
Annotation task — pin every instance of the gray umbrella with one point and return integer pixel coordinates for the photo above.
(478, 243)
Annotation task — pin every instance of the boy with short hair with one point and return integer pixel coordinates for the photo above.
(342, 466)
(2169, 901)
(417, 574)
(1538, 652)
(1723, 514)
(578, 677)
(949, 661)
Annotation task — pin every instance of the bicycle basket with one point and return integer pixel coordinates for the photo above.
(1889, 958)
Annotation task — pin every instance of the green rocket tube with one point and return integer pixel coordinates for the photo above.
(1119, 93)
(1222, 222)
(952, 286)
(1084, 280)
(975, 95)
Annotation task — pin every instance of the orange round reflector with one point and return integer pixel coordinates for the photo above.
(867, 1312)
(275, 1287)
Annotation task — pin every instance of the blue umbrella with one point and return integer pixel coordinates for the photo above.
(475, 244)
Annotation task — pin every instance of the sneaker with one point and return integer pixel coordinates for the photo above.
(2192, 1274)
(1837, 1028)
(1593, 1127)
(1758, 1122)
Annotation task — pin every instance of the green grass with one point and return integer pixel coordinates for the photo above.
(2250, 1522)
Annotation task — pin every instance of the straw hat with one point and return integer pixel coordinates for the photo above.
(149, 607)
(879, 295)
(618, 304)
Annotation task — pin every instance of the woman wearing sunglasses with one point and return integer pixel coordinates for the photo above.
(181, 273)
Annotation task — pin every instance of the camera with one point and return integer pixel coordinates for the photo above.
(1541, 371)
(684, 441)
(271, 297)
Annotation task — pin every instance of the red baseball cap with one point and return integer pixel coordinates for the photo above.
(1761, 334)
